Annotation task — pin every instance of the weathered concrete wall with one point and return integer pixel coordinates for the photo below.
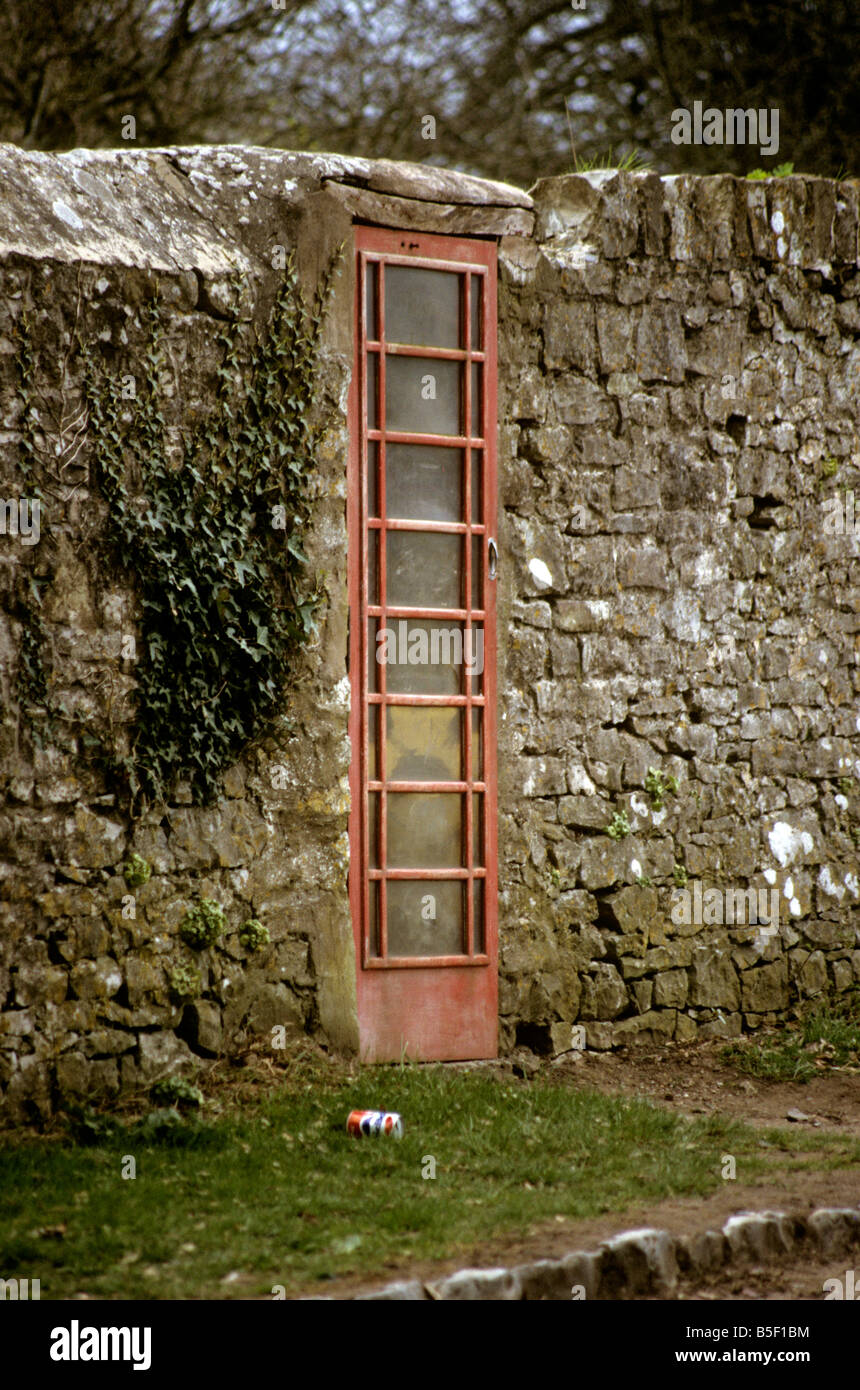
(679, 364)
(681, 372)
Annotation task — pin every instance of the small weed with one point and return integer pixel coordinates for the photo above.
(253, 935)
(619, 827)
(178, 1091)
(658, 787)
(780, 171)
(136, 871)
(829, 467)
(679, 874)
(629, 163)
(184, 982)
(203, 924)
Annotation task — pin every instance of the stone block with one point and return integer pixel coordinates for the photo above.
(713, 979)
(604, 994)
(670, 989)
(478, 1285)
(638, 1262)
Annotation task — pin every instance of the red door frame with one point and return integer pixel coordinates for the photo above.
(442, 1007)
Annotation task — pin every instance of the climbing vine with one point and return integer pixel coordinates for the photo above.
(31, 679)
(215, 544)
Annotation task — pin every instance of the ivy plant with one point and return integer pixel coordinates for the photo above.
(214, 544)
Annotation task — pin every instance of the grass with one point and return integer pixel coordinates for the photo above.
(632, 163)
(827, 1037)
(274, 1192)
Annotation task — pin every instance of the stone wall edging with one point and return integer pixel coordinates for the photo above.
(641, 1262)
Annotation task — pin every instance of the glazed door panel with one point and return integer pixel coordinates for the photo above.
(423, 875)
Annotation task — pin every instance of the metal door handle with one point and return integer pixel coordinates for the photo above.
(494, 557)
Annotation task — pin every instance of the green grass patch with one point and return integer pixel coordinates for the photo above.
(276, 1192)
(827, 1037)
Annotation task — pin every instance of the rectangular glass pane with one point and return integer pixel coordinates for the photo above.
(422, 307)
(373, 567)
(372, 478)
(372, 361)
(373, 932)
(477, 744)
(423, 482)
(476, 313)
(425, 570)
(473, 656)
(372, 742)
(371, 277)
(477, 571)
(425, 917)
(423, 744)
(477, 490)
(373, 829)
(372, 648)
(478, 830)
(425, 830)
(423, 657)
(478, 931)
(477, 402)
(422, 395)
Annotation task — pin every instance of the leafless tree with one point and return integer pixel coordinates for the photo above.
(71, 70)
(516, 88)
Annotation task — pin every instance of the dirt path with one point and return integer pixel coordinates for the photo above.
(692, 1080)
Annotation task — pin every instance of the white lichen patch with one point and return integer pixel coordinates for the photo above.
(827, 884)
(786, 842)
(540, 573)
(578, 780)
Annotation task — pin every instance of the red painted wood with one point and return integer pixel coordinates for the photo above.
(441, 1007)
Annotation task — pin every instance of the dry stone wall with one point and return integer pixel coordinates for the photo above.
(681, 371)
(88, 957)
(678, 411)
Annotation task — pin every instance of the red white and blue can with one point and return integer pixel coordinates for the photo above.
(374, 1122)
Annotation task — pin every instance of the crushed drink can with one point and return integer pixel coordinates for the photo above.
(374, 1122)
